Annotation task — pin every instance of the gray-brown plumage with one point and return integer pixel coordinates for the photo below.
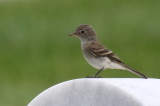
(98, 55)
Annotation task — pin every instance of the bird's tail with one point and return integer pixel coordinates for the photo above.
(135, 72)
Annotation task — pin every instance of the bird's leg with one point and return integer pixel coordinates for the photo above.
(96, 75)
(99, 71)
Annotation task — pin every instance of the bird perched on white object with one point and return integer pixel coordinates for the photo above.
(97, 55)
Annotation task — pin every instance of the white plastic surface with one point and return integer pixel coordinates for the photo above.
(101, 92)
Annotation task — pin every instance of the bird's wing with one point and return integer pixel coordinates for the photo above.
(99, 50)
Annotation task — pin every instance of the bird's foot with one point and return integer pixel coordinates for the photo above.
(93, 76)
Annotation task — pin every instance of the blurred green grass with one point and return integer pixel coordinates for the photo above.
(36, 51)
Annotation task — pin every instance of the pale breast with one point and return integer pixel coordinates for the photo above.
(91, 59)
(99, 62)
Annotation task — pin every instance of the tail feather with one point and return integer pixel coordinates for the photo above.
(135, 72)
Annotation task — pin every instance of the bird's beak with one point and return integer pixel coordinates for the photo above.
(72, 34)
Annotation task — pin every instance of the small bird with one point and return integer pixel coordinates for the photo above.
(97, 55)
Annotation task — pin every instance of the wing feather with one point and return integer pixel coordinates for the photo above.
(99, 50)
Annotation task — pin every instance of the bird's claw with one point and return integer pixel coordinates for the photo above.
(93, 76)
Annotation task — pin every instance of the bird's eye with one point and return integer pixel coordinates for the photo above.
(82, 31)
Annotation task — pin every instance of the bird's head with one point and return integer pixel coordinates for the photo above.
(84, 33)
